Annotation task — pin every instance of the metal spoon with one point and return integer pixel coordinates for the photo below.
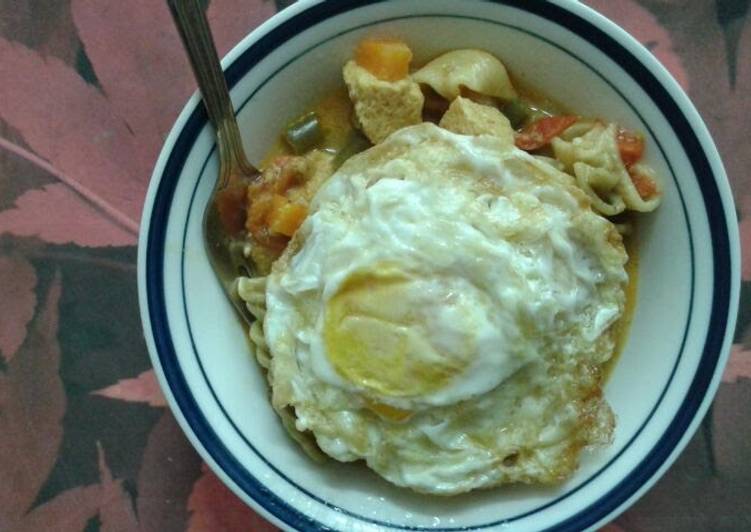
(235, 172)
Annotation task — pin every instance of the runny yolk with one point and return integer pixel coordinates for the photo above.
(376, 338)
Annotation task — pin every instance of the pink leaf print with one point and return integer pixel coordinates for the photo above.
(68, 512)
(58, 215)
(138, 58)
(71, 125)
(72, 509)
(231, 20)
(32, 403)
(215, 507)
(17, 301)
(168, 469)
(645, 27)
(115, 511)
(612, 527)
(47, 27)
(142, 389)
(739, 364)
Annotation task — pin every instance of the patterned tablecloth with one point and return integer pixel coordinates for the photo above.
(88, 90)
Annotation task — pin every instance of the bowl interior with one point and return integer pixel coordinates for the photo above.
(220, 394)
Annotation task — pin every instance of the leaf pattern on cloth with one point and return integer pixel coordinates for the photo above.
(17, 301)
(70, 124)
(144, 389)
(115, 509)
(90, 89)
(32, 402)
(739, 364)
(645, 27)
(58, 215)
(169, 468)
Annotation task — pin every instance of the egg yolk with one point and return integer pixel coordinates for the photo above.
(379, 331)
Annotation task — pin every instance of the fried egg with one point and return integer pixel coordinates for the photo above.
(443, 314)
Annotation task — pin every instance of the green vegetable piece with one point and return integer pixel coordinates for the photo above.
(304, 133)
(356, 142)
(517, 112)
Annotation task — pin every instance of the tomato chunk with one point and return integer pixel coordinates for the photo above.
(542, 131)
(645, 186)
(630, 146)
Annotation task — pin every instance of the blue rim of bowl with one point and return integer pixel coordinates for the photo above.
(629, 63)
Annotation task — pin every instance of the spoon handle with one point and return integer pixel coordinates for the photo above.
(195, 33)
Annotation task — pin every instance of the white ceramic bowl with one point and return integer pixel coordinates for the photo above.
(688, 284)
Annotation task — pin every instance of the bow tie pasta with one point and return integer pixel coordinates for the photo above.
(590, 152)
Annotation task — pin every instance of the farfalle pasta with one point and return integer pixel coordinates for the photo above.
(589, 151)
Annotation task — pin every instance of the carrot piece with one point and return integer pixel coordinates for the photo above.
(285, 217)
(540, 132)
(387, 60)
(630, 146)
(645, 186)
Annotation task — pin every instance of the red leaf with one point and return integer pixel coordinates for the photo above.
(215, 507)
(47, 27)
(142, 389)
(115, 510)
(67, 512)
(32, 404)
(72, 509)
(168, 469)
(140, 62)
(17, 301)
(58, 215)
(643, 25)
(71, 125)
(612, 527)
(231, 20)
(739, 364)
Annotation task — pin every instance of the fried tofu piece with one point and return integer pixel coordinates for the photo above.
(382, 107)
(469, 118)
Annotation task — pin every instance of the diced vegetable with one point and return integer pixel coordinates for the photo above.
(304, 133)
(230, 203)
(645, 185)
(630, 146)
(271, 217)
(517, 112)
(285, 217)
(259, 206)
(288, 173)
(541, 132)
(385, 59)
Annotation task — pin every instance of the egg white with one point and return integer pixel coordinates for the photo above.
(443, 313)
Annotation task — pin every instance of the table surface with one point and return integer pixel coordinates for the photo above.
(88, 90)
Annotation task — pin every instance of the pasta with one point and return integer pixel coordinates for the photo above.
(253, 292)
(476, 70)
(588, 150)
